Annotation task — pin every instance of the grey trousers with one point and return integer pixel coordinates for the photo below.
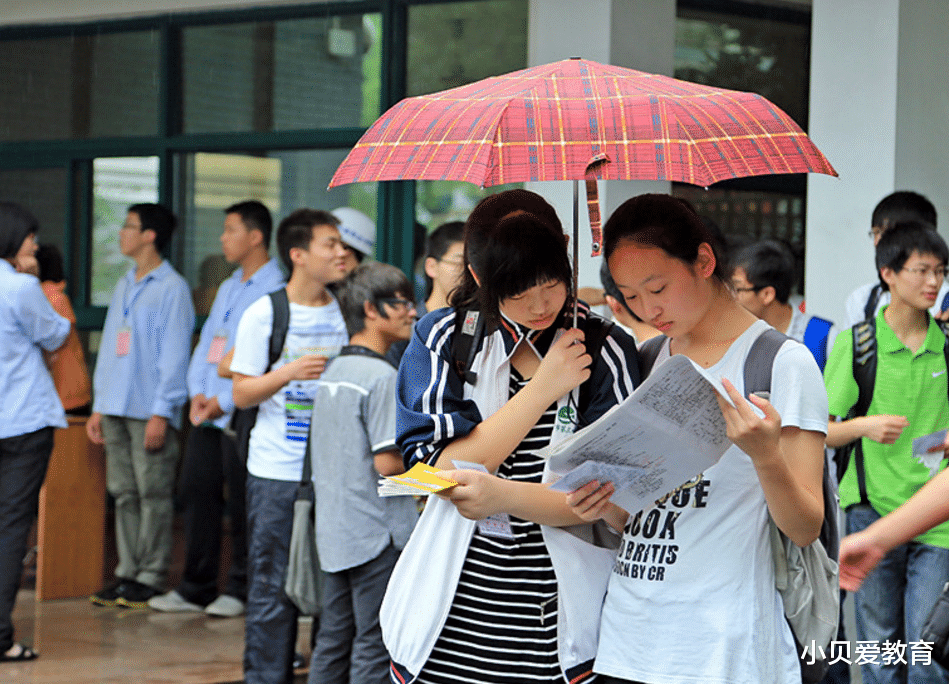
(142, 483)
(349, 644)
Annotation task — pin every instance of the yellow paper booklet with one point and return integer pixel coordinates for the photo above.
(420, 480)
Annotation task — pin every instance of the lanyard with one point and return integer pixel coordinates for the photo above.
(126, 305)
(234, 296)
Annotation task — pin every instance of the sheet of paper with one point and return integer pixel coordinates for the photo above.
(922, 445)
(667, 432)
(419, 480)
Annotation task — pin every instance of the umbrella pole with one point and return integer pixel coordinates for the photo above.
(576, 247)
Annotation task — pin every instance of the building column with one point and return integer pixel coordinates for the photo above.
(637, 34)
(879, 110)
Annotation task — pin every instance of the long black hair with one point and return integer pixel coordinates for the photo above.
(513, 241)
(16, 223)
(665, 222)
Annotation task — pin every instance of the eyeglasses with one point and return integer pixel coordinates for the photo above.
(924, 272)
(745, 289)
(876, 232)
(398, 303)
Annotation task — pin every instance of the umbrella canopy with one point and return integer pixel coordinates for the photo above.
(550, 122)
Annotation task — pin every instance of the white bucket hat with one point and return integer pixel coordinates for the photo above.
(357, 229)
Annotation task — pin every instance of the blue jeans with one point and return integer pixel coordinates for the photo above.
(893, 602)
(270, 633)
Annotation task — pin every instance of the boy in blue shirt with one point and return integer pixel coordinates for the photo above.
(358, 534)
(139, 389)
(211, 455)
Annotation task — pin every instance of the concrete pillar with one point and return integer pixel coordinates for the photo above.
(879, 110)
(638, 34)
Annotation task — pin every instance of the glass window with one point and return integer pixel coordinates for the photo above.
(117, 183)
(283, 181)
(79, 86)
(757, 54)
(454, 43)
(747, 216)
(43, 193)
(283, 75)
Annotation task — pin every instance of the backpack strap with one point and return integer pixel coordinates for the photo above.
(870, 308)
(759, 366)
(864, 366)
(760, 360)
(243, 420)
(281, 324)
(815, 339)
(469, 329)
(945, 302)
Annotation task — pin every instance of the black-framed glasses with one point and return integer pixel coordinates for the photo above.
(746, 289)
(398, 303)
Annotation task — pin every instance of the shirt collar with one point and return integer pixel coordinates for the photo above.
(7, 266)
(155, 274)
(889, 343)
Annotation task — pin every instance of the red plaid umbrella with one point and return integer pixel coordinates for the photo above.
(550, 122)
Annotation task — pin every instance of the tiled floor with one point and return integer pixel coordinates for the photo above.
(80, 643)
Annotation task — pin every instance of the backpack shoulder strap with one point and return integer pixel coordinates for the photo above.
(815, 339)
(945, 302)
(864, 368)
(469, 329)
(864, 363)
(648, 352)
(870, 308)
(280, 326)
(760, 361)
(759, 366)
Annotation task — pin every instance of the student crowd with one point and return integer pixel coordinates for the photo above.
(501, 578)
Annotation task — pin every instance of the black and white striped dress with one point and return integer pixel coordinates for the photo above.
(502, 625)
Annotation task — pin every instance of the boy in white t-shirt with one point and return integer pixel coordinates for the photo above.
(309, 244)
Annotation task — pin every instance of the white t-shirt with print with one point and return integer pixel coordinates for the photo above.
(692, 596)
(278, 439)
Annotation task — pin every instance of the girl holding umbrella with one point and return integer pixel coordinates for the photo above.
(701, 605)
(490, 588)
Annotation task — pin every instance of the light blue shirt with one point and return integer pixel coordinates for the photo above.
(28, 399)
(150, 379)
(232, 298)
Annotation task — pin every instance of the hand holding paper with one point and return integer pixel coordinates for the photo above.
(420, 480)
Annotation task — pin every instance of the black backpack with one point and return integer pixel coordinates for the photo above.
(243, 420)
(757, 378)
(864, 373)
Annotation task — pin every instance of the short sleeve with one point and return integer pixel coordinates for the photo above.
(797, 389)
(380, 414)
(842, 389)
(431, 411)
(251, 344)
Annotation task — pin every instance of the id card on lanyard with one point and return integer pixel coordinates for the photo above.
(217, 346)
(123, 338)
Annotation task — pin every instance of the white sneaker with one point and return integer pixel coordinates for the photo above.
(173, 602)
(225, 606)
